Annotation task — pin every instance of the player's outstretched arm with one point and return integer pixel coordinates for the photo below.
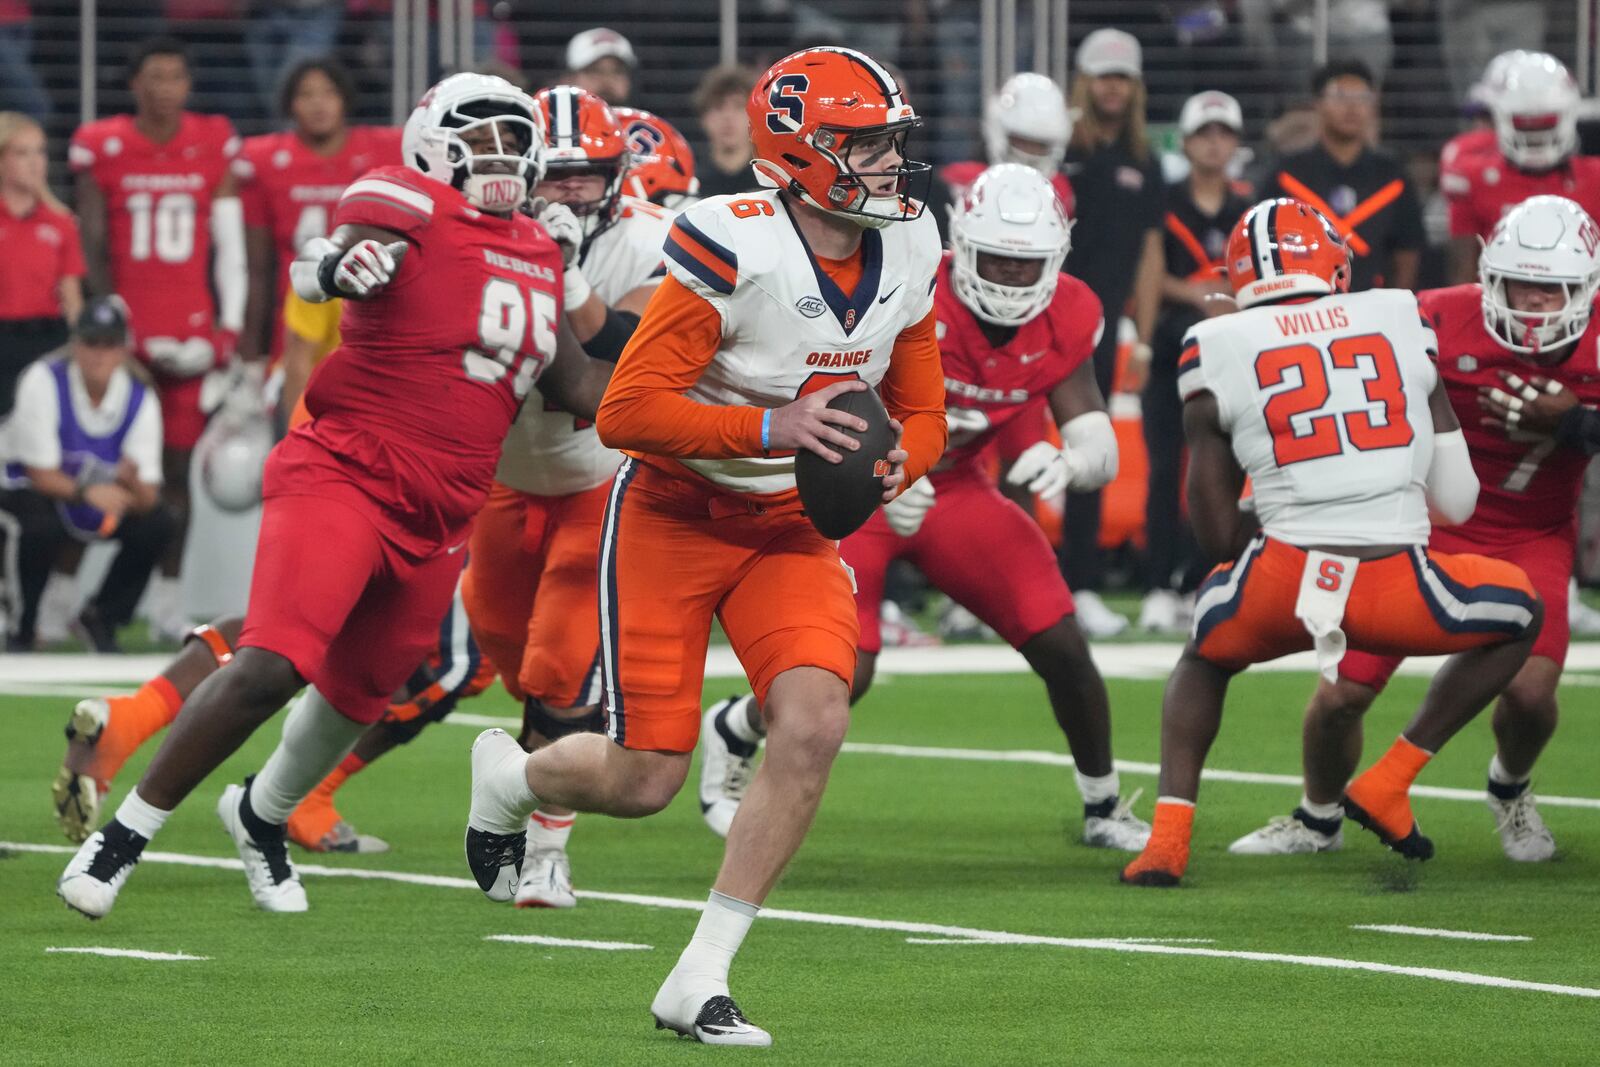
(355, 262)
(575, 381)
(1215, 483)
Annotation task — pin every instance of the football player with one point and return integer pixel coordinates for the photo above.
(367, 506)
(1524, 332)
(1015, 335)
(661, 168)
(831, 265)
(532, 584)
(1330, 403)
(1027, 122)
(159, 210)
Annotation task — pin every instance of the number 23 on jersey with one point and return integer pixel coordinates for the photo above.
(1302, 429)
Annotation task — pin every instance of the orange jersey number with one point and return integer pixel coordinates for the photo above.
(1321, 438)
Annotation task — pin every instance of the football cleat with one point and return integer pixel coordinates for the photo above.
(344, 838)
(546, 880)
(710, 1020)
(77, 801)
(1096, 619)
(89, 720)
(497, 836)
(1523, 836)
(272, 878)
(1287, 835)
(1413, 846)
(1121, 829)
(96, 873)
(727, 763)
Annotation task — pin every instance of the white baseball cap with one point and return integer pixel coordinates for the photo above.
(1202, 109)
(1110, 51)
(591, 46)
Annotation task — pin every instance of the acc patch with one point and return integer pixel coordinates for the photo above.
(810, 306)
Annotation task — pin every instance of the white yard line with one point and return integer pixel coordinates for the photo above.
(1429, 931)
(125, 953)
(567, 942)
(962, 933)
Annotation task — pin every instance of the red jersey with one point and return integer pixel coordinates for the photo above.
(435, 365)
(1528, 486)
(1005, 382)
(1486, 186)
(958, 176)
(158, 216)
(41, 248)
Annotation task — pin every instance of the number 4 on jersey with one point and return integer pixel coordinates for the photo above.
(503, 324)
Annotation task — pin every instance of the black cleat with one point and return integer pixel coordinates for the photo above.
(496, 861)
(1413, 846)
(718, 1022)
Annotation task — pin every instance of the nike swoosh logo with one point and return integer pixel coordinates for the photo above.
(1031, 356)
(896, 289)
(453, 551)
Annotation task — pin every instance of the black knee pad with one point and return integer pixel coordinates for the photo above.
(536, 717)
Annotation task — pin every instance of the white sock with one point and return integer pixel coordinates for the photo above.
(140, 816)
(1334, 810)
(316, 737)
(1097, 790)
(1500, 776)
(710, 952)
(744, 720)
(548, 831)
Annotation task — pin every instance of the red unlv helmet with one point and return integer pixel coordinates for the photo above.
(663, 163)
(583, 138)
(1284, 248)
(808, 115)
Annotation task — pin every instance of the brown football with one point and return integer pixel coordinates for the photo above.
(839, 497)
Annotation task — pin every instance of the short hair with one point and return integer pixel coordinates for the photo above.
(1341, 68)
(721, 82)
(156, 46)
(331, 68)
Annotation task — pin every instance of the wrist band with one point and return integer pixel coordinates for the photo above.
(766, 431)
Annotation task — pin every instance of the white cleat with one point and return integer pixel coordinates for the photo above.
(1523, 836)
(727, 764)
(1163, 612)
(272, 878)
(497, 834)
(97, 871)
(1121, 830)
(1581, 618)
(89, 720)
(1096, 619)
(711, 1019)
(546, 880)
(1286, 835)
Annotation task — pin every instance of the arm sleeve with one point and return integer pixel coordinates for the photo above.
(1580, 429)
(228, 264)
(644, 408)
(35, 421)
(1452, 486)
(913, 392)
(143, 443)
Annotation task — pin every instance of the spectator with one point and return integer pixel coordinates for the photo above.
(282, 33)
(20, 89)
(1201, 211)
(1364, 192)
(1116, 250)
(41, 273)
(719, 101)
(601, 61)
(85, 463)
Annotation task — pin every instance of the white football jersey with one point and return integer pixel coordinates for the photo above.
(1326, 403)
(548, 452)
(787, 329)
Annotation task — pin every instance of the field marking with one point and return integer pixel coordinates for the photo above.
(567, 942)
(1107, 940)
(1429, 931)
(125, 953)
(964, 933)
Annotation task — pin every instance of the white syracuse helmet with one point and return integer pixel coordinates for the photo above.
(1029, 106)
(496, 182)
(1011, 210)
(1548, 240)
(1534, 102)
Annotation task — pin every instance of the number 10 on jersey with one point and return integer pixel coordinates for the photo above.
(503, 324)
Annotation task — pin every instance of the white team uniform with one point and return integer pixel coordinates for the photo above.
(550, 453)
(1265, 363)
(784, 322)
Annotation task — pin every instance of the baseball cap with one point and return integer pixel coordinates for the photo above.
(591, 46)
(1202, 109)
(103, 321)
(1110, 51)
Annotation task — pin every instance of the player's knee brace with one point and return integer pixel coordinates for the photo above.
(537, 718)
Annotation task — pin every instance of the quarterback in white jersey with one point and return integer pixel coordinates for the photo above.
(775, 304)
(1330, 404)
(531, 582)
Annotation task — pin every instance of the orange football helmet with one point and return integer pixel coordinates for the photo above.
(807, 115)
(582, 138)
(1284, 248)
(663, 163)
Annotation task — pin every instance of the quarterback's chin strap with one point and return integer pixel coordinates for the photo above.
(229, 270)
(1452, 486)
(1091, 451)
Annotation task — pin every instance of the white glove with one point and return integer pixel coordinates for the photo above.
(906, 511)
(181, 359)
(368, 266)
(240, 387)
(1042, 470)
(562, 226)
(963, 425)
(304, 271)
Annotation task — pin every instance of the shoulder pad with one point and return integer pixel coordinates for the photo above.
(702, 247)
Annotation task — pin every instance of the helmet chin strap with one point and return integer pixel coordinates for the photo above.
(498, 194)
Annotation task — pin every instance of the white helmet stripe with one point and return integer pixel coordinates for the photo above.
(891, 87)
(565, 114)
(1261, 241)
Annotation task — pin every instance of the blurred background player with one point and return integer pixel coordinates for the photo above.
(161, 223)
(532, 586)
(1014, 335)
(1335, 552)
(601, 61)
(661, 163)
(713, 395)
(1523, 333)
(1026, 122)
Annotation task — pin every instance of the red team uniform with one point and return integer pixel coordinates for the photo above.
(368, 505)
(971, 521)
(1482, 185)
(1528, 489)
(158, 207)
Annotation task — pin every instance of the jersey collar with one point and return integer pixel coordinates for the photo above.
(849, 310)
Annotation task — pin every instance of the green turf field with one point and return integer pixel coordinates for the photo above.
(934, 849)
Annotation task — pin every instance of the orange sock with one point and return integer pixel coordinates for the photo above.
(133, 721)
(316, 816)
(1384, 790)
(1167, 852)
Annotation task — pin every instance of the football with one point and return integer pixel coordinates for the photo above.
(839, 497)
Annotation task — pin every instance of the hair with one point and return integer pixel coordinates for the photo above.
(327, 66)
(718, 83)
(13, 123)
(156, 46)
(1341, 68)
(1088, 132)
